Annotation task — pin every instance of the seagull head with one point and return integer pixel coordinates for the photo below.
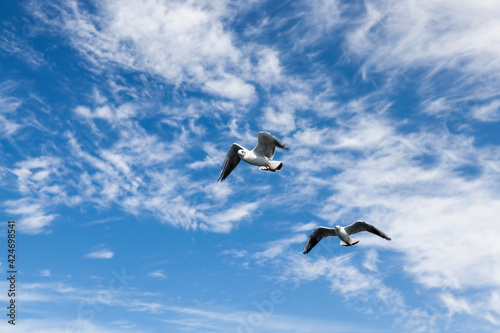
(337, 227)
(241, 153)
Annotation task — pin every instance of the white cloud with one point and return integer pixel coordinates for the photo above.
(218, 191)
(279, 121)
(8, 127)
(105, 111)
(135, 172)
(325, 14)
(8, 108)
(37, 179)
(30, 213)
(222, 320)
(184, 42)
(224, 221)
(488, 112)
(278, 247)
(305, 226)
(231, 87)
(235, 253)
(371, 260)
(203, 317)
(100, 254)
(268, 68)
(455, 305)
(35, 174)
(100, 112)
(44, 272)
(158, 274)
(17, 43)
(214, 157)
(52, 325)
(456, 36)
(123, 324)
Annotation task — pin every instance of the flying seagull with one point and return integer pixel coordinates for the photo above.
(260, 156)
(344, 233)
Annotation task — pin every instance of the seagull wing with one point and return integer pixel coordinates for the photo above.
(359, 226)
(267, 143)
(231, 161)
(317, 235)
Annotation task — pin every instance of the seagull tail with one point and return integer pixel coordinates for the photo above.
(352, 242)
(275, 165)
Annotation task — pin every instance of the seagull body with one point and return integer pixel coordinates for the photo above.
(260, 156)
(344, 233)
(251, 158)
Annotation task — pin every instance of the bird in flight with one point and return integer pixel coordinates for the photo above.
(260, 156)
(344, 233)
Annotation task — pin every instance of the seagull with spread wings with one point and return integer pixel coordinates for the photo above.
(260, 156)
(344, 233)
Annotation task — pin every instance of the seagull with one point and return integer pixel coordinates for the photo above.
(260, 156)
(344, 233)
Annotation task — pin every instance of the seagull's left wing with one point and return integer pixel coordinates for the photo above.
(318, 234)
(231, 161)
(359, 226)
(267, 143)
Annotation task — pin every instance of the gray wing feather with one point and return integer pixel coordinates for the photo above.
(318, 234)
(231, 161)
(360, 226)
(267, 143)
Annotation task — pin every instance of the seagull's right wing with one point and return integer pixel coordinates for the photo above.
(267, 143)
(359, 226)
(231, 161)
(316, 236)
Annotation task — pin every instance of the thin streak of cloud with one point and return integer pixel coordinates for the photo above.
(100, 254)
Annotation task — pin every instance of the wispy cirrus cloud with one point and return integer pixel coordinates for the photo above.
(31, 214)
(16, 43)
(201, 52)
(224, 221)
(8, 105)
(62, 326)
(45, 272)
(448, 41)
(196, 319)
(206, 317)
(489, 112)
(38, 181)
(100, 254)
(158, 274)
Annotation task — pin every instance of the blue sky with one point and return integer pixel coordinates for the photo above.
(115, 118)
